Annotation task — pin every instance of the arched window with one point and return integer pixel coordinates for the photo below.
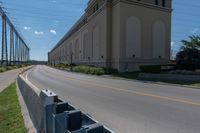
(68, 53)
(96, 43)
(84, 46)
(133, 37)
(163, 3)
(159, 40)
(76, 49)
(156, 2)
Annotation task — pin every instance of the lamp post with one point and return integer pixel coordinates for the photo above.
(89, 60)
(71, 58)
(89, 63)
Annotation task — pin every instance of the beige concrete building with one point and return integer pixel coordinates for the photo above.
(121, 34)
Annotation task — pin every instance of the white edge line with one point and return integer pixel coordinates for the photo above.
(31, 84)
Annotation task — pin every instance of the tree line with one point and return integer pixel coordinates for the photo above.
(188, 58)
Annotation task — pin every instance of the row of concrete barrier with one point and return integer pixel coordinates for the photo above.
(50, 114)
(170, 77)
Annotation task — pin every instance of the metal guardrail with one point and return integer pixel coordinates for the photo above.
(61, 117)
(50, 114)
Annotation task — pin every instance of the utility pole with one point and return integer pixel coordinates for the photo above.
(11, 46)
(18, 48)
(71, 58)
(4, 53)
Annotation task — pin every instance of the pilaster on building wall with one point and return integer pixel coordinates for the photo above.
(119, 34)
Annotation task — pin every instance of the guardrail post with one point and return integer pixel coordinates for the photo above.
(60, 123)
(94, 128)
(60, 117)
(48, 99)
(74, 120)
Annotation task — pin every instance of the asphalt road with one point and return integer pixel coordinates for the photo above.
(125, 106)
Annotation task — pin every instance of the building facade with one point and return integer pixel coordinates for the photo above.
(120, 34)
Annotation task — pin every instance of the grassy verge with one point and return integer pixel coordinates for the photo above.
(4, 68)
(89, 70)
(134, 76)
(115, 74)
(189, 84)
(83, 69)
(196, 85)
(127, 75)
(11, 120)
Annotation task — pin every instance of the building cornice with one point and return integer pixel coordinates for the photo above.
(85, 17)
(142, 4)
(90, 4)
(107, 3)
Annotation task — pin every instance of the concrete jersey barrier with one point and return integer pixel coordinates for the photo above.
(170, 77)
(50, 114)
(33, 102)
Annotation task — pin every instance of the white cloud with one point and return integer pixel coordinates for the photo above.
(53, 32)
(39, 33)
(195, 30)
(172, 44)
(27, 28)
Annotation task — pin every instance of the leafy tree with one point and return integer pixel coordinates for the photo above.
(188, 59)
(193, 43)
(189, 56)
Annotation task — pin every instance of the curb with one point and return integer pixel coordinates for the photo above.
(24, 111)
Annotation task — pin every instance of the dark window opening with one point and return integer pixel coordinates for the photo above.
(94, 10)
(156, 2)
(163, 3)
(97, 7)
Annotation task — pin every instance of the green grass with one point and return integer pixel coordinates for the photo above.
(182, 83)
(127, 75)
(196, 85)
(11, 120)
(134, 75)
(88, 70)
(4, 68)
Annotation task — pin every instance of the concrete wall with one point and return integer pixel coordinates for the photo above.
(121, 34)
(145, 34)
(87, 45)
(33, 103)
(170, 77)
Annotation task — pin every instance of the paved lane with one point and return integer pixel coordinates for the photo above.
(8, 77)
(125, 106)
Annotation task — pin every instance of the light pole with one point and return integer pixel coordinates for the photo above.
(89, 63)
(71, 58)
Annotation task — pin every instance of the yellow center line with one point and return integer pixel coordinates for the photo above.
(134, 92)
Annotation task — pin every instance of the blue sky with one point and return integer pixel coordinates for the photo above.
(185, 21)
(42, 23)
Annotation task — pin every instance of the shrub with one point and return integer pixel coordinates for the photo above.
(89, 70)
(110, 71)
(9, 68)
(61, 65)
(188, 59)
(97, 71)
(150, 68)
(2, 69)
(20, 65)
(15, 66)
